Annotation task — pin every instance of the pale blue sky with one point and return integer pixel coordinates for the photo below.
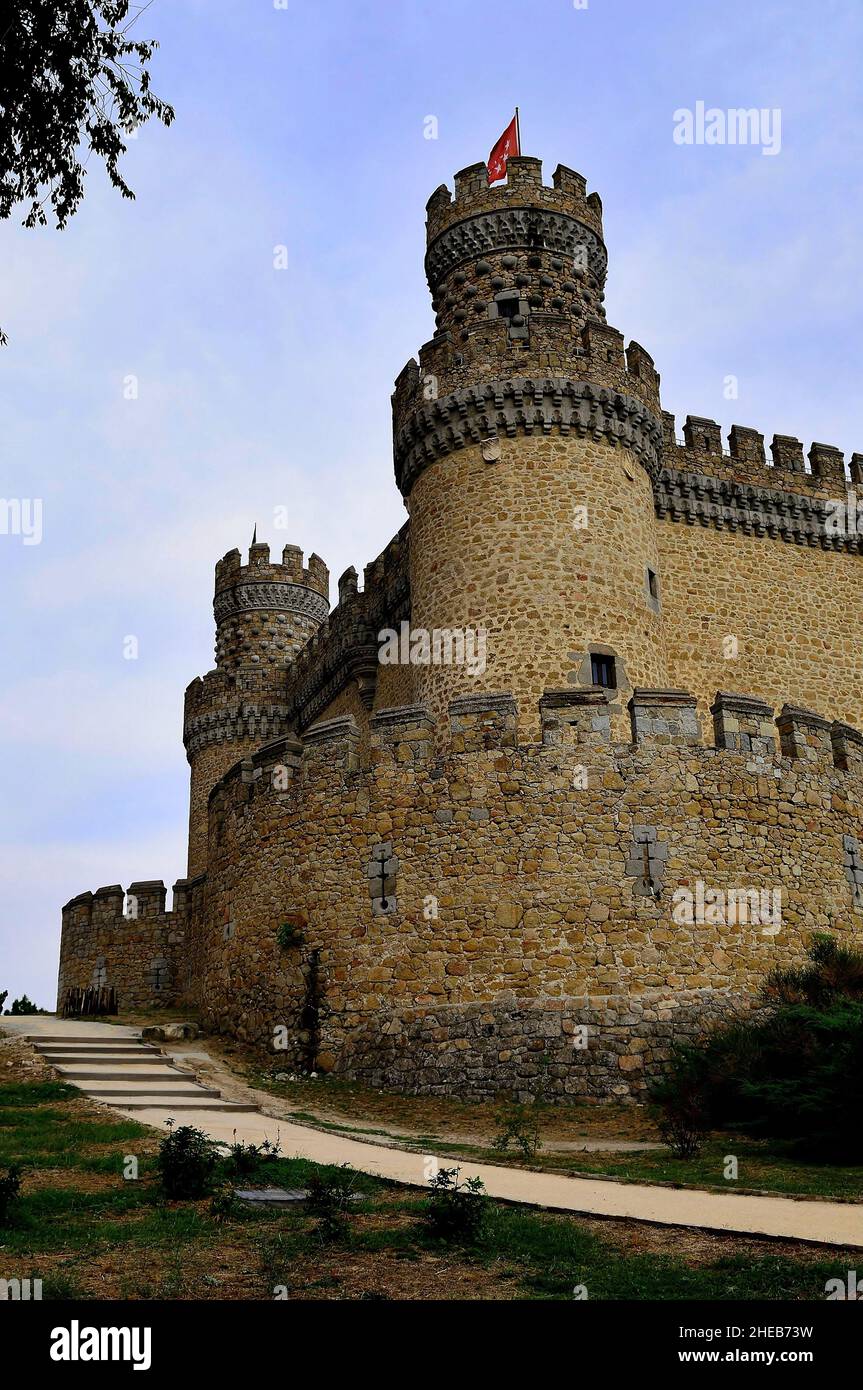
(261, 388)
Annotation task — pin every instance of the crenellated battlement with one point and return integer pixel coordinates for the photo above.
(567, 194)
(700, 450)
(662, 721)
(130, 941)
(345, 647)
(426, 430)
(738, 490)
(143, 900)
(264, 612)
(230, 570)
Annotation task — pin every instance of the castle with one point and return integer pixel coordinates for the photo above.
(544, 864)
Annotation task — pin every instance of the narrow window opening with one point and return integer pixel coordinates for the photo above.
(602, 671)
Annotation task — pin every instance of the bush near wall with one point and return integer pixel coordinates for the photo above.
(796, 1073)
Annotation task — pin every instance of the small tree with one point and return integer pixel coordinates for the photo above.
(518, 1124)
(186, 1162)
(10, 1190)
(329, 1199)
(23, 1006)
(456, 1211)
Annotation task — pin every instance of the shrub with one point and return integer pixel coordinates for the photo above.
(23, 1006)
(224, 1203)
(833, 972)
(245, 1160)
(456, 1212)
(518, 1124)
(795, 1072)
(330, 1197)
(186, 1162)
(681, 1104)
(10, 1191)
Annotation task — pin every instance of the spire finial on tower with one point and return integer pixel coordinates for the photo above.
(255, 534)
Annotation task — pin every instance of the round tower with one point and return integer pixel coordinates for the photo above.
(525, 441)
(264, 615)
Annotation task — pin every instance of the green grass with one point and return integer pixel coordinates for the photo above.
(550, 1257)
(44, 1126)
(50, 1138)
(34, 1093)
(762, 1167)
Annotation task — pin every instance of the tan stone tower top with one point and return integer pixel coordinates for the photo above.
(265, 613)
(524, 411)
(517, 277)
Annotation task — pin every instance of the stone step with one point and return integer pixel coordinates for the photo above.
(134, 1089)
(109, 1073)
(142, 1102)
(37, 1039)
(66, 1059)
(91, 1050)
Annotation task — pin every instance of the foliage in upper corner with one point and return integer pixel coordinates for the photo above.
(72, 84)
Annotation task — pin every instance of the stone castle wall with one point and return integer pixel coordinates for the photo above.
(140, 952)
(466, 913)
(482, 881)
(499, 547)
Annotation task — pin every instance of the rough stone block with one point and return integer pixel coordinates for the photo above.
(664, 717)
(743, 724)
(575, 716)
(804, 735)
(483, 722)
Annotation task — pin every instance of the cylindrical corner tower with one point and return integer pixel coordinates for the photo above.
(524, 445)
(264, 615)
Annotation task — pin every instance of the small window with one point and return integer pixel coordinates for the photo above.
(602, 671)
(507, 308)
(651, 584)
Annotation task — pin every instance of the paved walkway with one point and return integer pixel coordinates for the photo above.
(832, 1223)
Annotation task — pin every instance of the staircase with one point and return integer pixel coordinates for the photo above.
(128, 1073)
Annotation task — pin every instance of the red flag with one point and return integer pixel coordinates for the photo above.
(506, 146)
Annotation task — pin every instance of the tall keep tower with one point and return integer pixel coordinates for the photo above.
(524, 443)
(264, 614)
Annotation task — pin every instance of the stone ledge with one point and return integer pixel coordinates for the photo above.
(755, 511)
(522, 405)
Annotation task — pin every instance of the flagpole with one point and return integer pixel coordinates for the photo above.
(518, 130)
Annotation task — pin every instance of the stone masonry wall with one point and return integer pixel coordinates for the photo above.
(794, 611)
(504, 546)
(141, 955)
(467, 915)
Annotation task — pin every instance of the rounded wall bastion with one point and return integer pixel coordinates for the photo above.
(476, 918)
